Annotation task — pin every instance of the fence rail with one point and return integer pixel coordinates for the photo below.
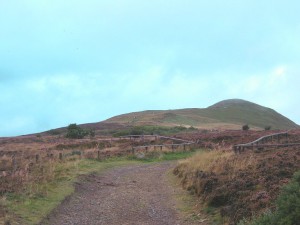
(156, 137)
(260, 143)
(184, 143)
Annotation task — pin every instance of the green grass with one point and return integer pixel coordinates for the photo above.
(187, 205)
(214, 215)
(149, 130)
(38, 200)
(235, 114)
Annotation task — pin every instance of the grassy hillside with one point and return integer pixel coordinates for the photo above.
(226, 114)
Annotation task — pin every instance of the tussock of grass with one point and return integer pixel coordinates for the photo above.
(204, 160)
(216, 161)
(204, 172)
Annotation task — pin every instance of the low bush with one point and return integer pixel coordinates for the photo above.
(287, 206)
(76, 132)
(245, 127)
(268, 127)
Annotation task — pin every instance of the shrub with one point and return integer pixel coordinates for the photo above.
(92, 133)
(288, 206)
(268, 127)
(246, 127)
(288, 202)
(267, 219)
(137, 131)
(76, 132)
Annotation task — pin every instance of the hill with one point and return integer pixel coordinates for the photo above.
(227, 114)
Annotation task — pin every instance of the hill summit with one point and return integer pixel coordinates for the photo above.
(233, 102)
(227, 114)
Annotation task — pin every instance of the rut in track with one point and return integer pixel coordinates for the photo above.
(139, 194)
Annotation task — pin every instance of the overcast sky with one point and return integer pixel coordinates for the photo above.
(82, 61)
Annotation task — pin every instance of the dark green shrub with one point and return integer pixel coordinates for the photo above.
(246, 127)
(288, 207)
(76, 132)
(288, 203)
(268, 127)
(92, 133)
(137, 131)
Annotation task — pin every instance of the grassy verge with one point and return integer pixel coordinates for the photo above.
(188, 206)
(31, 206)
(39, 198)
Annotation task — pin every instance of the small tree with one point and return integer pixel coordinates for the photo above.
(246, 127)
(76, 132)
(267, 127)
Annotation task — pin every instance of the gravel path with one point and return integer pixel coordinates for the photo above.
(139, 194)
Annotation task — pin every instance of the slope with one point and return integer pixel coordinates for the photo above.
(225, 114)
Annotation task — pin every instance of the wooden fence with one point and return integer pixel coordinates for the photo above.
(154, 137)
(185, 145)
(14, 160)
(261, 143)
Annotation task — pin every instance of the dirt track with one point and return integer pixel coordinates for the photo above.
(138, 195)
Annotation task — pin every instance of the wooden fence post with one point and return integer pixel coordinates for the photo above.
(37, 157)
(14, 163)
(60, 156)
(98, 155)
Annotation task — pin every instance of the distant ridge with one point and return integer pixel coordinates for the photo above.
(226, 114)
